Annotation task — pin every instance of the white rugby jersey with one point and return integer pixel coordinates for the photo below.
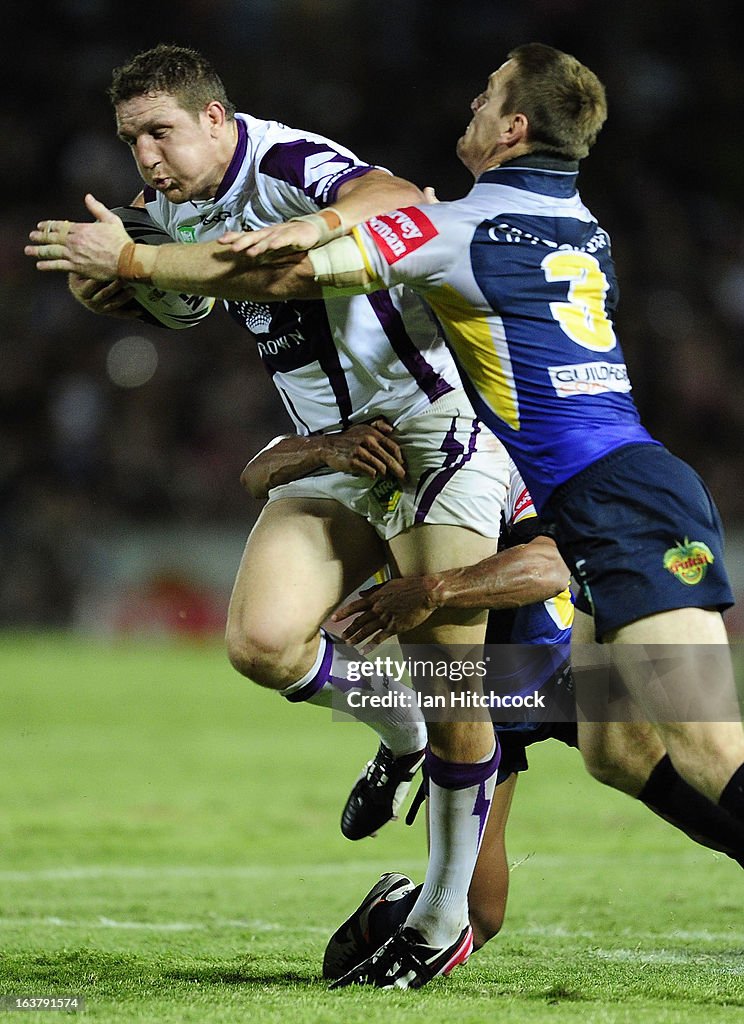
(334, 362)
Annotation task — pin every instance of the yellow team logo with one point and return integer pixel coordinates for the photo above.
(689, 562)
(387, 495)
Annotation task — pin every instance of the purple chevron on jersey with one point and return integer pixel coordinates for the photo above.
(314, 167)
(349, 359)
(331, 365)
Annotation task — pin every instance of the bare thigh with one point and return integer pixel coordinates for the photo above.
(431, 548)
(302, 557)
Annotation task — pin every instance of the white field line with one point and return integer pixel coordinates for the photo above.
(529, 861)
(531, 931)
(75, 873)
(677, 935)
(667, 956)
(202, 871)
(158, 926)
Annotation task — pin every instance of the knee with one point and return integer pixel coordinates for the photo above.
(705, 754)
(259, 655)
(246, 659)
(602, 767)
(615, 768)
(622, 755)
(271, 649)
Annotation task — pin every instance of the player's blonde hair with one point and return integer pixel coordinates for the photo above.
(175, 70)
(563, 100)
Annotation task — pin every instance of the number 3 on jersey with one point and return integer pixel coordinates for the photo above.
(583, 316)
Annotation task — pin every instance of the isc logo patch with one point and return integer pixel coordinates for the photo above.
(401, 232)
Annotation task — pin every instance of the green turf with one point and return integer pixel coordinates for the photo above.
(169, 850)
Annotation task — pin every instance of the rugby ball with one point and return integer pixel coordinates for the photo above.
(163, 309)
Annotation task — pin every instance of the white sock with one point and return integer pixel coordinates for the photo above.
(459, 801)
(401, 727)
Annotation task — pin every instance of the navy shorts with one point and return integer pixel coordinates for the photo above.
(642, 535)
(514, 743)
(559, 724)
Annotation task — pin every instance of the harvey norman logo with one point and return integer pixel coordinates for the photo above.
(401, 232)
(589, 378)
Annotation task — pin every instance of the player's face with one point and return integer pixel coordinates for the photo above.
(480, 142)
(181, 154)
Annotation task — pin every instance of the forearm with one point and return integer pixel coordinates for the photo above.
(357, 200)
(518, 576)
(366, 449)
(375, 192)
(211, 269)
(287, 459)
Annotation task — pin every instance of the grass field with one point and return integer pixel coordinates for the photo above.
(169, 850)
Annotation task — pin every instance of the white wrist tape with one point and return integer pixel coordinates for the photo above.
(340, 265)
(329, 222)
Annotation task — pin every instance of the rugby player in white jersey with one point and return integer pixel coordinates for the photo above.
(424, 498)
(522, 280)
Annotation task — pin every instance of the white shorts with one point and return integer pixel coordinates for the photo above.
(457, 475)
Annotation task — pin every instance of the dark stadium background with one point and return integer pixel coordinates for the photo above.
(120, 507)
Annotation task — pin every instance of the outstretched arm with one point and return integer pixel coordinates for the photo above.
(518, 576)
(358, 200)
(103, 251)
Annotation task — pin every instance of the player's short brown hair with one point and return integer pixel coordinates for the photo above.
(175, 70)
(562, 99)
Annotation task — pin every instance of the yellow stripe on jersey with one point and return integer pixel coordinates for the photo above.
(528, 514)
(485, 361)
(359, 239)
(561, 609)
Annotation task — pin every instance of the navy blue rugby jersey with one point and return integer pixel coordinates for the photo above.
(520, 276)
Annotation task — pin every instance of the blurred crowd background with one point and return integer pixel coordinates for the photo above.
(121, 448)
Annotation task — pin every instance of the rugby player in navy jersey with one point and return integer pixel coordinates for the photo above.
(524, 585)
(521, 277)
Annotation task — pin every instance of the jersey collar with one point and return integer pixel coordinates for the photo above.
(236, 163)
(536, 172)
